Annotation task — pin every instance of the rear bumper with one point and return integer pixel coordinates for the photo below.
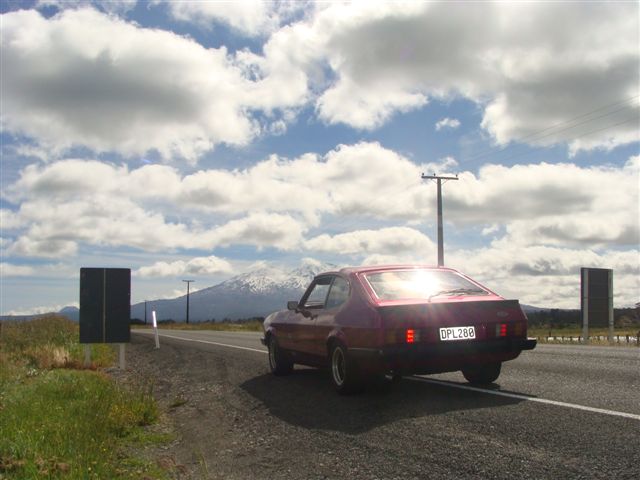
(441, 357)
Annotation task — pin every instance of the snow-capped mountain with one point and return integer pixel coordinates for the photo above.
(252, 294)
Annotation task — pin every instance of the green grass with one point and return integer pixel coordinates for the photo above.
(59, 421)
(49, 342)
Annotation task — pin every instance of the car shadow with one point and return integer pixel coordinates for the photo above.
(307, 399)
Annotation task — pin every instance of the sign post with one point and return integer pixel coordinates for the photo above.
(596, 300)
(105, 308)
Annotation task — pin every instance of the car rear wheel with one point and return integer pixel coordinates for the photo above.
(482, 374)
(280, 362)
(345, 374)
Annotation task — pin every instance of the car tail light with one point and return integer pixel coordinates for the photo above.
(403, 335)
(412, 335)
(519, 329)
(501, 330)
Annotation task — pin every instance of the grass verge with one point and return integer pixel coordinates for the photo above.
(239, 326)
(60, 421)
(542, 333)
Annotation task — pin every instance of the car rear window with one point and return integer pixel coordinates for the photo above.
(420, 284)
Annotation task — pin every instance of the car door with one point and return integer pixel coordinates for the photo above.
(325, 320)
(301, 325)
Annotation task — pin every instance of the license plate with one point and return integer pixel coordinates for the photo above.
(457, 333)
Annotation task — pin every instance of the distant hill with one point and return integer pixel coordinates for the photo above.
(72, 313)
(253, 294)
(531, 308)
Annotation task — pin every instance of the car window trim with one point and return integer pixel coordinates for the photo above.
(335, 277)
(315, 282)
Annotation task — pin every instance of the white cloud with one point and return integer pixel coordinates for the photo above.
(86, 78)
(633, 164)
(393, 240)
(359, 179)
(42, 247)
(9, 220)
(117, 7)
(71, 202)
(447, 122)
(444, 165)
(11, 270)
(491, 229)
(359, 63)
(547, 276)
(363, 178)
(196, 266)
(258, 229)
(107, 221)
(176, 293)
(365, 108)
(551, 203)
(250, 17)
(529, 66)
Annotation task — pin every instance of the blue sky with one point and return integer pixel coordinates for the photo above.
(206, 139)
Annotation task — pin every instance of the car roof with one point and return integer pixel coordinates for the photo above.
(383, 268)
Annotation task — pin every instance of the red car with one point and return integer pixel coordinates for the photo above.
(399, 320)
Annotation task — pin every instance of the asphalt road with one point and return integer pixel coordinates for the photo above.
(556, 412)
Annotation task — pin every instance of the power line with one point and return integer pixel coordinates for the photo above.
(637, 119)
(576, 137)
(582, 123)
(585, 115)
(493, 151)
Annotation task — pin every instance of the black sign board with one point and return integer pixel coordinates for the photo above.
(105, 305)
(597, 296)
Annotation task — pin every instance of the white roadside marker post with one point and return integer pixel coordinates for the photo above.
(121, 357)
(155, 328)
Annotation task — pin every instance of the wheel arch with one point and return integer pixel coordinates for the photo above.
(335, 336)
(268, 333)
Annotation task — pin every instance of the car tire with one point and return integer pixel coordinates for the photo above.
(482, 374)
(280, 362)
(345, 374)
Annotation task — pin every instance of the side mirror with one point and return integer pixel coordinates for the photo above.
(292, 305)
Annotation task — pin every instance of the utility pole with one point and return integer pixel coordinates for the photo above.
(145, 312)
(188, 282)
(439, 180)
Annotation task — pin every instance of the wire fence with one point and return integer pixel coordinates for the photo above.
(617, 339)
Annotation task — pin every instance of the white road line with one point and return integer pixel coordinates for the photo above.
(450, 384)
(531, 399)
(210, 343)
